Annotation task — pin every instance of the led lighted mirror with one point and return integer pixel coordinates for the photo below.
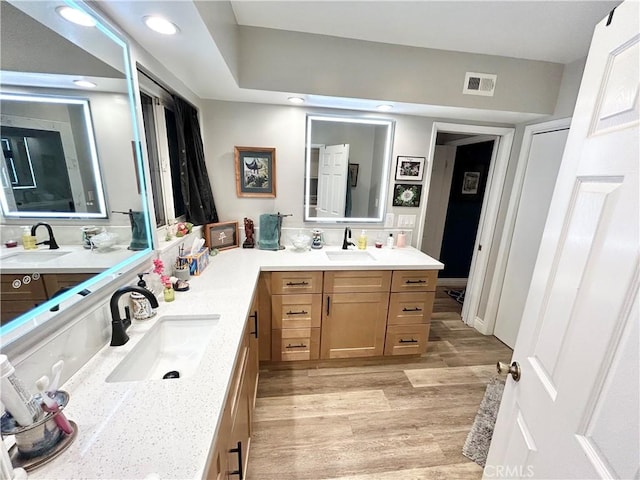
(347, 168)
(70, 158)
(50, 167)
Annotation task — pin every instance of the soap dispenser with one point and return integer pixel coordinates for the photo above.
(362, 240)
(28, 240)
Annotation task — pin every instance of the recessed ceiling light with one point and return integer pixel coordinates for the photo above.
(85, 83)
(384, 108)
(296, 100)
(160, 25)
(76, 16)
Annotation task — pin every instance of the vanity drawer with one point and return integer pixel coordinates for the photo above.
(296, 311)
(357, 281)
(296, 344)
(14, 288)
(296, 282)
(414, 280)
(406, 339)
(410, 308)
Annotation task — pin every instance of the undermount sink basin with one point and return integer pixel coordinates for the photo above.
(36, 257)
(173, 344)
(349, 256)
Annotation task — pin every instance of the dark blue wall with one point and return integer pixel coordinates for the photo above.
(463, 212)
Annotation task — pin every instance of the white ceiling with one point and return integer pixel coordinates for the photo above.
(556, 31)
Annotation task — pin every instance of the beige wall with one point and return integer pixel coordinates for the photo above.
(226, 124)
(318, 64)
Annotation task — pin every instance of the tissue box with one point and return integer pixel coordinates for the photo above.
(197, 262)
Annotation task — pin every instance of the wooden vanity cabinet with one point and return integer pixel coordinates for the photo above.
(296, 304)
(230, 452)
(354, 315)
(410, 307)
(19, 296)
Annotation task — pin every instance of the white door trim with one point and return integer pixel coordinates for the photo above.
(490, 206)
(487, 325)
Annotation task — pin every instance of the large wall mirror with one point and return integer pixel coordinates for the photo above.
(70, 158)
(346, 171)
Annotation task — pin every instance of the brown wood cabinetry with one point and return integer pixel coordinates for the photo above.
(354, 313)
(230, 450)
(410, 307)
(295, 315)
(20, 296)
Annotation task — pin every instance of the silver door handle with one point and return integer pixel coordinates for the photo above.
(506, 369)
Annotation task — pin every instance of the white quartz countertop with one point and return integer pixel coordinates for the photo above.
(165, 428)
(66, 259)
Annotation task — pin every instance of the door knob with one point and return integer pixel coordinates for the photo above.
(505, 369)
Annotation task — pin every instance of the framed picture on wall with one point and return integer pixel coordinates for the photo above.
(255, 171)
(410, 168)
(406, 195)
(221, 235)
(470, 183)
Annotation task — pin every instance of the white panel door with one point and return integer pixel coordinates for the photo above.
(574, 413)
(332, 180)
(543, 163)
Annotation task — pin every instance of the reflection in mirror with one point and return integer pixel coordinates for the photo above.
(347, 165)
(50, 166)
(92, 141)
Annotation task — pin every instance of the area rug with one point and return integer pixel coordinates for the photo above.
(457, 295)
(477, 444)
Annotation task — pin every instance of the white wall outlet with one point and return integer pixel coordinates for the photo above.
(388, 220)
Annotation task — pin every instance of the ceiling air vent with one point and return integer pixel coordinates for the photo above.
(479, 84)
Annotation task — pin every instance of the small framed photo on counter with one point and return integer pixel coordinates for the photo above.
(222, 236)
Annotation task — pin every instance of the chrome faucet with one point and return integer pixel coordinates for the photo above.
(347, 239)
(119, 325)
(53, 245)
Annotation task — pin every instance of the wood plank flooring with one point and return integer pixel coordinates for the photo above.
(391, 419)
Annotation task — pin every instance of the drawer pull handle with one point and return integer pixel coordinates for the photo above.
(413, 340)
(298, 345)
(238, 450)
(254, 315)
(409, 282)
(416, 309)
(302, 312)
(297, 284)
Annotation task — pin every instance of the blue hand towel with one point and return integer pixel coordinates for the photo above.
(269, 232)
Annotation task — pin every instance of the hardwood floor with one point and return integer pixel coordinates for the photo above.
(391, 419)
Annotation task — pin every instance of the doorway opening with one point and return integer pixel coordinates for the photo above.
(465, 183)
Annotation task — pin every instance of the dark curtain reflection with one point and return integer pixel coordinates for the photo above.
(199, 206)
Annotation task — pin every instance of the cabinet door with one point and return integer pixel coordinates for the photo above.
(353, 325)
(264, 316)
(240, 414)
(19, 296)
(357, 281)
(253, 333)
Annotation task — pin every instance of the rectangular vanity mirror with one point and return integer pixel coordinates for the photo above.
(70, 157)
(50, 167)
(347, 168)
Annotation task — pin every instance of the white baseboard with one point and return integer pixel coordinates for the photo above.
(480, 325)
(453, 282)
